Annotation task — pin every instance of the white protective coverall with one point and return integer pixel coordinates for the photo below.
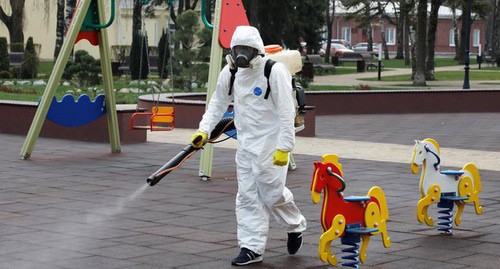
(262, 127)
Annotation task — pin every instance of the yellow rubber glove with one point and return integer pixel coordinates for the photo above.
(198, 139)
(280, 157)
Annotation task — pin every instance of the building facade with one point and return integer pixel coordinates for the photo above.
(40, 23)
(445, 41)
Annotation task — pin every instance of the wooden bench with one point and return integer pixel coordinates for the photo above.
(489, 60)
(318, 63)
(361, 59)
(16, 58)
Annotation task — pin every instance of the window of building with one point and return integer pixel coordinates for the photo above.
(451, 40)
(476, 38)
(346, 33)
(390, 36)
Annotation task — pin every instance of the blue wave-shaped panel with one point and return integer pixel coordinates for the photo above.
(71, 113)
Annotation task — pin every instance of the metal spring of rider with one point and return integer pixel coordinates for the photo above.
(351, 257)
(446, 217)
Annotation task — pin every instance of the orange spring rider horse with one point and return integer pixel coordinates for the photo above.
(352, 218)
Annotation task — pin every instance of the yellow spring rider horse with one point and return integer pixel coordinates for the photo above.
(351, 218)
(446, 187)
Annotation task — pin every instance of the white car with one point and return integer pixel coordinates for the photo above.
(363, 46)
(336, 50)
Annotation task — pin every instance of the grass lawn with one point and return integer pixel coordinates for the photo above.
(33, 93)
(400, 63)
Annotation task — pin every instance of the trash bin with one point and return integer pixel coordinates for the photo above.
(360, 66)
(335, 60)
(114, 69)
(308, 70)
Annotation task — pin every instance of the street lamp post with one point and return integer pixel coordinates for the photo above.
(380, 61)
(467, 45)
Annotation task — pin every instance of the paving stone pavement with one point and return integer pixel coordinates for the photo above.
(75, 205)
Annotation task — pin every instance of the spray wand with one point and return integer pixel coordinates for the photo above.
(225, 125)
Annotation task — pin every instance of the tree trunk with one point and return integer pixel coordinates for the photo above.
(463, 31)
(14, 22)
(252, 8)
(419, 77)
(369, 30)
(490, 28)
(60, 28)
(70, 9)
(495, 42)
(329, 24)
(137, 18)
(455, 31)
(384, 41)
(408, 40)
(400, 31)
(431, 38)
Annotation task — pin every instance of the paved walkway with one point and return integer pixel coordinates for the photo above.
(75, 205)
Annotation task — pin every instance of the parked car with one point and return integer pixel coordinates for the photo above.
(335, 50)
(363, 46)
(344, 42)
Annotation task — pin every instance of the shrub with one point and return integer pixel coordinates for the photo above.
(5, 74)
(205, 40)
(4, 55)
(85, 69)
(201, 73)
(304, 81)
(15, 71)
(30, 61)
(364, 87)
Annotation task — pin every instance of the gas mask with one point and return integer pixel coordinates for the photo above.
(242, 55)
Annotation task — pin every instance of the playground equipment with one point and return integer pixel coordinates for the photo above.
(87, 23)
(444, 187)
(352, 218)
(160, 118)
(82, 111)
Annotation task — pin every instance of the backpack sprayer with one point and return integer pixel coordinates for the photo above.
(225, 125)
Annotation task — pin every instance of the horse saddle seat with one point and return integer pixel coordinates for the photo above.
(361, 230)
(454, 198)
(452, 172)
(357, 198)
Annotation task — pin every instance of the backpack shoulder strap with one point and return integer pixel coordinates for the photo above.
(267, 73)
(233, 76)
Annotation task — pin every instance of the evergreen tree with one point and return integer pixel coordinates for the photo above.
(139, 64)
(30, 61)
(4, 55)
(283, 22)
(163, 55)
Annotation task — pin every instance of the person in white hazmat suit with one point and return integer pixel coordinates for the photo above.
(266, 135)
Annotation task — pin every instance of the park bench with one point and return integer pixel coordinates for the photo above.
(318, 63)
(16, 58)
(363, 60)
(489, 60)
